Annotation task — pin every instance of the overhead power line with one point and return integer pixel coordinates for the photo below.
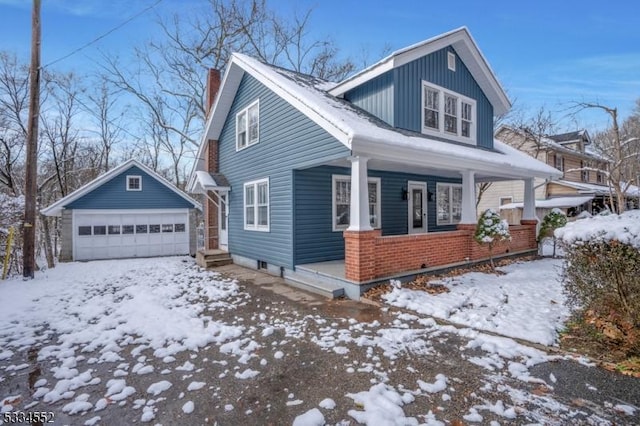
(97, 39)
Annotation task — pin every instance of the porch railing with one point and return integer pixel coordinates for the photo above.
(369, 256)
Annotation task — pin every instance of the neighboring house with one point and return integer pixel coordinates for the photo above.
(129, 211)
(583, 186)
(351, 183)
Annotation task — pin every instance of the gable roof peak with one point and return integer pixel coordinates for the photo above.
(467, 50)
(55, 209)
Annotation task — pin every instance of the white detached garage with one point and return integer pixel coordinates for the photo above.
(130, 211)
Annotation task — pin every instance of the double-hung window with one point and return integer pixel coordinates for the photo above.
(559, 162)
(584, 174)
(248, 126)
(431, 108)
(342, 202)
(466, 119)
(449, 203)
(449, 114)
(256, 205)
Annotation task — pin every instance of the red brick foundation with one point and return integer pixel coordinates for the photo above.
(360, 254)
(368, 255)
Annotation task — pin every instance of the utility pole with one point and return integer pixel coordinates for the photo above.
(30, 190)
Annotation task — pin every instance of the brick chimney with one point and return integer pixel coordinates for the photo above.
(211, 164)
(213, 85)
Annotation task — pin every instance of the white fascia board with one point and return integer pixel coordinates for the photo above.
(128, 211)
(298, 102)
(427, 158)
(217, 115)
(55, 209)
(479, 67)
(467, 50)
(391, 61)
(168, 184)
(370, 73)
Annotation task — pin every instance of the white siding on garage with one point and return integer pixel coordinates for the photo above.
(105, 234)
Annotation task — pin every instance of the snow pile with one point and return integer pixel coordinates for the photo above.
(526, 302)
(624, 228)
(438, 386)
(312, 417)
(381, 404)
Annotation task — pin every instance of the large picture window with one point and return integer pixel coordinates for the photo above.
(248, 126)
(256, 205)
(449, 203)
(342, 198)
(448, 114)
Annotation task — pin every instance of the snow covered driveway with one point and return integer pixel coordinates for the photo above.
(162, 341)
(107, 305)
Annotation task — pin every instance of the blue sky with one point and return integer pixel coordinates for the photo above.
(544, 53)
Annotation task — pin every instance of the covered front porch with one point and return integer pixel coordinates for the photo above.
(438, 226)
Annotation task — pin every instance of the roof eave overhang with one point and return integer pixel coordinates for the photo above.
(383, 150)
(56, 208)
(467, 49)
(226, 95)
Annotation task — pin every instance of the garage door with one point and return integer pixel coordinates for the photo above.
(107, 235)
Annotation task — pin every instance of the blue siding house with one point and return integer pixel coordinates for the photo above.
(129, 211)
(326, 183)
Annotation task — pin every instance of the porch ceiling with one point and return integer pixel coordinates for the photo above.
(433, 170)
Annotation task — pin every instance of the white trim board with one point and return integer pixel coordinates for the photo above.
(55, 209)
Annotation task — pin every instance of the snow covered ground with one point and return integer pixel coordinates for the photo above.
(162, 341)
(526, 302)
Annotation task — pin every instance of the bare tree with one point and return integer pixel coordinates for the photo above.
(620, 145)
(526, 133)
(60, 135)
(14, 97)
(167, 80)
(11, 158)
(530, 133)
(103, 107)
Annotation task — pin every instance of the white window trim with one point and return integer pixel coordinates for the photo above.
(451, 61)
(559, 159)
(336, 178)
(135, 177)
(450, 186)
(246, 111)
(255, 226)
(506, 197)
(472, 140)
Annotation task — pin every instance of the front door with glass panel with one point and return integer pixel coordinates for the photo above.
(417, 192)
(223, 209)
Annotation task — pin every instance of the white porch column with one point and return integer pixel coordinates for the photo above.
(529, 210)
(359, 214)
(469, 215)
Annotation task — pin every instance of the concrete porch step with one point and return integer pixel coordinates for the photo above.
(213, 258)
(214, 263)
(325, 289)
